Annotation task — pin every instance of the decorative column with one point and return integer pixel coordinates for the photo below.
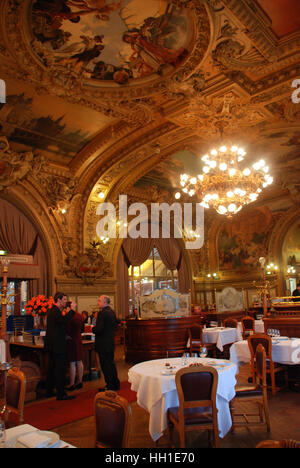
(4, 366)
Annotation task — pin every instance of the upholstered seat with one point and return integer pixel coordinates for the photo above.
(252, 394)
(191, 416)
(230, 323)
(197, 388)
(112, 420)
(272, 367)
(15, 397)
(195, 334)
(248, 324)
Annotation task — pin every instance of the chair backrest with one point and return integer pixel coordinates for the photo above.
(112, 420)
(261, 366)
(230, 323)
(196, 387)
(284, 443)
(195, 332)
(15, 393)
(248, 323)
(260, 338)
(19, 323)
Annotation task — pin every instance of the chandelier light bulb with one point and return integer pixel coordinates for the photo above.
(223, 184)
(246, 172)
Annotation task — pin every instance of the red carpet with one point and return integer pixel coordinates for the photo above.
(52, 413)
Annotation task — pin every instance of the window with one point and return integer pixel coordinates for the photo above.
(16, 304)
(151, 275)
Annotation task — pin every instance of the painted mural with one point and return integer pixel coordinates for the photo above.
(60, 130)
(111, 39)
(243, 240)
(292, 246)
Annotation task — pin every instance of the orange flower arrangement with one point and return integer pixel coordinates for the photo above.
(39, 305)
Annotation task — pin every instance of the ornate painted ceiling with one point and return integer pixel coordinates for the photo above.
(123, 96)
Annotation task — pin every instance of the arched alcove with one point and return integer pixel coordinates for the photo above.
(20, 236)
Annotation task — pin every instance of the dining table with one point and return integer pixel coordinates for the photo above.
(221, 336)
(156, 390)
(285, 350)
(31, 436)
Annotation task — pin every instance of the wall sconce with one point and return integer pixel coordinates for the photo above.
(271, 268)
(291, 270)
(213, 276)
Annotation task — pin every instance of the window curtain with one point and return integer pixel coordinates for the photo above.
(18, 236)
(135, 252)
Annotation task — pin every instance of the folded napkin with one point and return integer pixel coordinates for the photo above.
(35, 440)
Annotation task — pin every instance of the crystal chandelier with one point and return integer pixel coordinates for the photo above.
(223, 184)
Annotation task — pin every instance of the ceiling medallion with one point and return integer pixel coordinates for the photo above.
(224, 184)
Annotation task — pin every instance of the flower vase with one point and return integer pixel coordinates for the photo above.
(42, 322)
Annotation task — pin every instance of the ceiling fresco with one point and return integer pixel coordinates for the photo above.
(123, 96)
(111, 41)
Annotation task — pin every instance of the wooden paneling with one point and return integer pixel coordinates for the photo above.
(152, 339)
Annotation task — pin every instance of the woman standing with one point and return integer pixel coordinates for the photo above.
(75, 349)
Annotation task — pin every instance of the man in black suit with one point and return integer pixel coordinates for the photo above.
(56, 345)
(105, 343)
(296, 292)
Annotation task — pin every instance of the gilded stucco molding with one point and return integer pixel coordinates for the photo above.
(75, 87)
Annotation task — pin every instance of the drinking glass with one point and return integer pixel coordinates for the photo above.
(203, 352)
(184, 358)
(194, 356)
(2, 434)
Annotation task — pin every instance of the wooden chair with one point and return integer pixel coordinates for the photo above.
(19, 323)
(230, 323)
(248, 326)
(253, 394)
(284, 443)
(196, 340)
(197, 388)
(112, 420)
(15, 397)
(272, 367)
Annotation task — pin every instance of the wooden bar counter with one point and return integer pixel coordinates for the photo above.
(151, 339)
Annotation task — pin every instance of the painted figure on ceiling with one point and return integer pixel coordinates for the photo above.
(148, 57)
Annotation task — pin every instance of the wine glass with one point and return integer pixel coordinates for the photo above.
(2, 434)
(203, 352)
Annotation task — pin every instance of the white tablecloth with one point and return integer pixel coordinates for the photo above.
(23, 429)
(258, 327)
(156, 392)
(284, 351)
(2, 351)
(221, 336)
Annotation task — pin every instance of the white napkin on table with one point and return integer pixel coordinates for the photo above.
(35, 440)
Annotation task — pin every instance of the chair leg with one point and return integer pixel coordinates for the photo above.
(267, 416)
(181, 438)
(170, 433)
(273, 383)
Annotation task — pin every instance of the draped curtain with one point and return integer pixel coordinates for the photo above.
(18, 236)
(136, 251)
